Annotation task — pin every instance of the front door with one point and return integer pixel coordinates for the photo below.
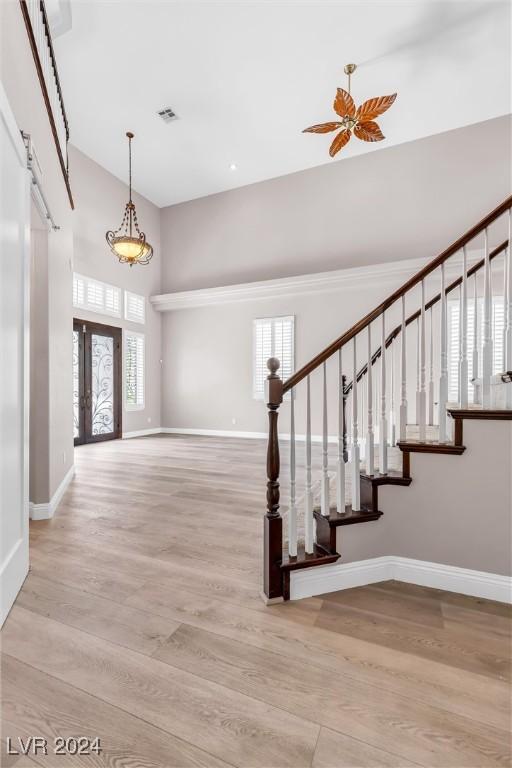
(96, 382)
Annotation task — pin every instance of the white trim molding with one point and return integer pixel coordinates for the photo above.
(331, 578)
(388, 273)
(47, 510)
(142, 432)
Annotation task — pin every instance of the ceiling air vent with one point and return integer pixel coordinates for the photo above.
(167, 114)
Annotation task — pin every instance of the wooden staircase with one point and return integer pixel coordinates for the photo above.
(319, 544)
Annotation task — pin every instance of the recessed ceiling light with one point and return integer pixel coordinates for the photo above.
(233, 167)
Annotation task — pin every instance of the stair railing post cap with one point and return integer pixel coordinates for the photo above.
(273, 365)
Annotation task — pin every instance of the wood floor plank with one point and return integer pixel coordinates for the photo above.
(130, 627)
(486, 699)
(334, 750)
(169, 527)
(37, 703)
(414, 730)
(229, 725)
(455, 650)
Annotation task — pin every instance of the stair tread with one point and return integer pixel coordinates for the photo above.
(351, 517)
(392, 477)
(477, 412)
(430, 446)
(303, 560)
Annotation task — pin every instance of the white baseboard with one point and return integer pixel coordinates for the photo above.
(214, 432)
(142, 432)
(331, 578)
(47, 510)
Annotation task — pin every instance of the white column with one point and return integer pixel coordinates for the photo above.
(292, 513)
(308, 500)
(487, 350)
(463, 365)
(370, 462)
(392, 419)
(383, 448)
(443, 378)
(476, 351)
(508, 310)
(340, 479)
(356, 489)
(324, 504)
(431, 371)
(423, 370)
(403, 376)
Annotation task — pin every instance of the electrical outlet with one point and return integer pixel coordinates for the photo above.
(149, 419)
(233, 420)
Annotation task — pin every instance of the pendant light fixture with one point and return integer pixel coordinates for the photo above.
(128, 243)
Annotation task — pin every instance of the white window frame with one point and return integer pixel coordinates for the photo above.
(256, 393)
(453, 350)
(134, 406)
(127, 315)
(98, 310)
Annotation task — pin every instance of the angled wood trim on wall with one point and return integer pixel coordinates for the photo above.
(44, 90)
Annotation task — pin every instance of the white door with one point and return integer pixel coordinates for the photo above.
(14, 357)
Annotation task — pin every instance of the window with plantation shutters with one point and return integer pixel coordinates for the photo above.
(498, 329)
(273, 337)
(134, 307)
(134, 354)
(96, 296)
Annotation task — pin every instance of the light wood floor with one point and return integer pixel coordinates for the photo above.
(140, 623)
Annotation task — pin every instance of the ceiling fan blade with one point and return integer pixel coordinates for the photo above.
(339, 142)
(344, 103)
(368, 131)
(322, 128)
(372, 108)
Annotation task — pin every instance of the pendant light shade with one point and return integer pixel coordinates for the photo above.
(128, 243)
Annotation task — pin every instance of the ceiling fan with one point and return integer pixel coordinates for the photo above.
(360, 121)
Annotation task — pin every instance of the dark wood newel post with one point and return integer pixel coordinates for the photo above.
(273, 523)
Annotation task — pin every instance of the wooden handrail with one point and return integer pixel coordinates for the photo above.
(411, 283)
(44, 89)
(396, 331)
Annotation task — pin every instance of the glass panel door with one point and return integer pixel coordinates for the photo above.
(96, 382)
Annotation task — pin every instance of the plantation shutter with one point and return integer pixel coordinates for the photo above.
(273, 337)
(134, 307)
(134, 370)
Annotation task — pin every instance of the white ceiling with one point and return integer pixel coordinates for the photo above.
(246, 77)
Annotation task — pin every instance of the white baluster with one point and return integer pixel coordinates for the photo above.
(463, 367)
(383, 449)
(324, 504)
(487, 351)
(476, 387)
(418, 366)
(431, 371)
(508, 312)
(403, 377)
(370, 453)
(392, 420)
(443, 378)
(356, 490)
(340, 484)
(423, 370)
(308, 500)
(292, 513)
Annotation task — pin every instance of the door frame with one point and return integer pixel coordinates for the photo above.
(85, 353)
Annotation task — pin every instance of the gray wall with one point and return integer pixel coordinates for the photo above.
(407, 201)
(457, 510)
